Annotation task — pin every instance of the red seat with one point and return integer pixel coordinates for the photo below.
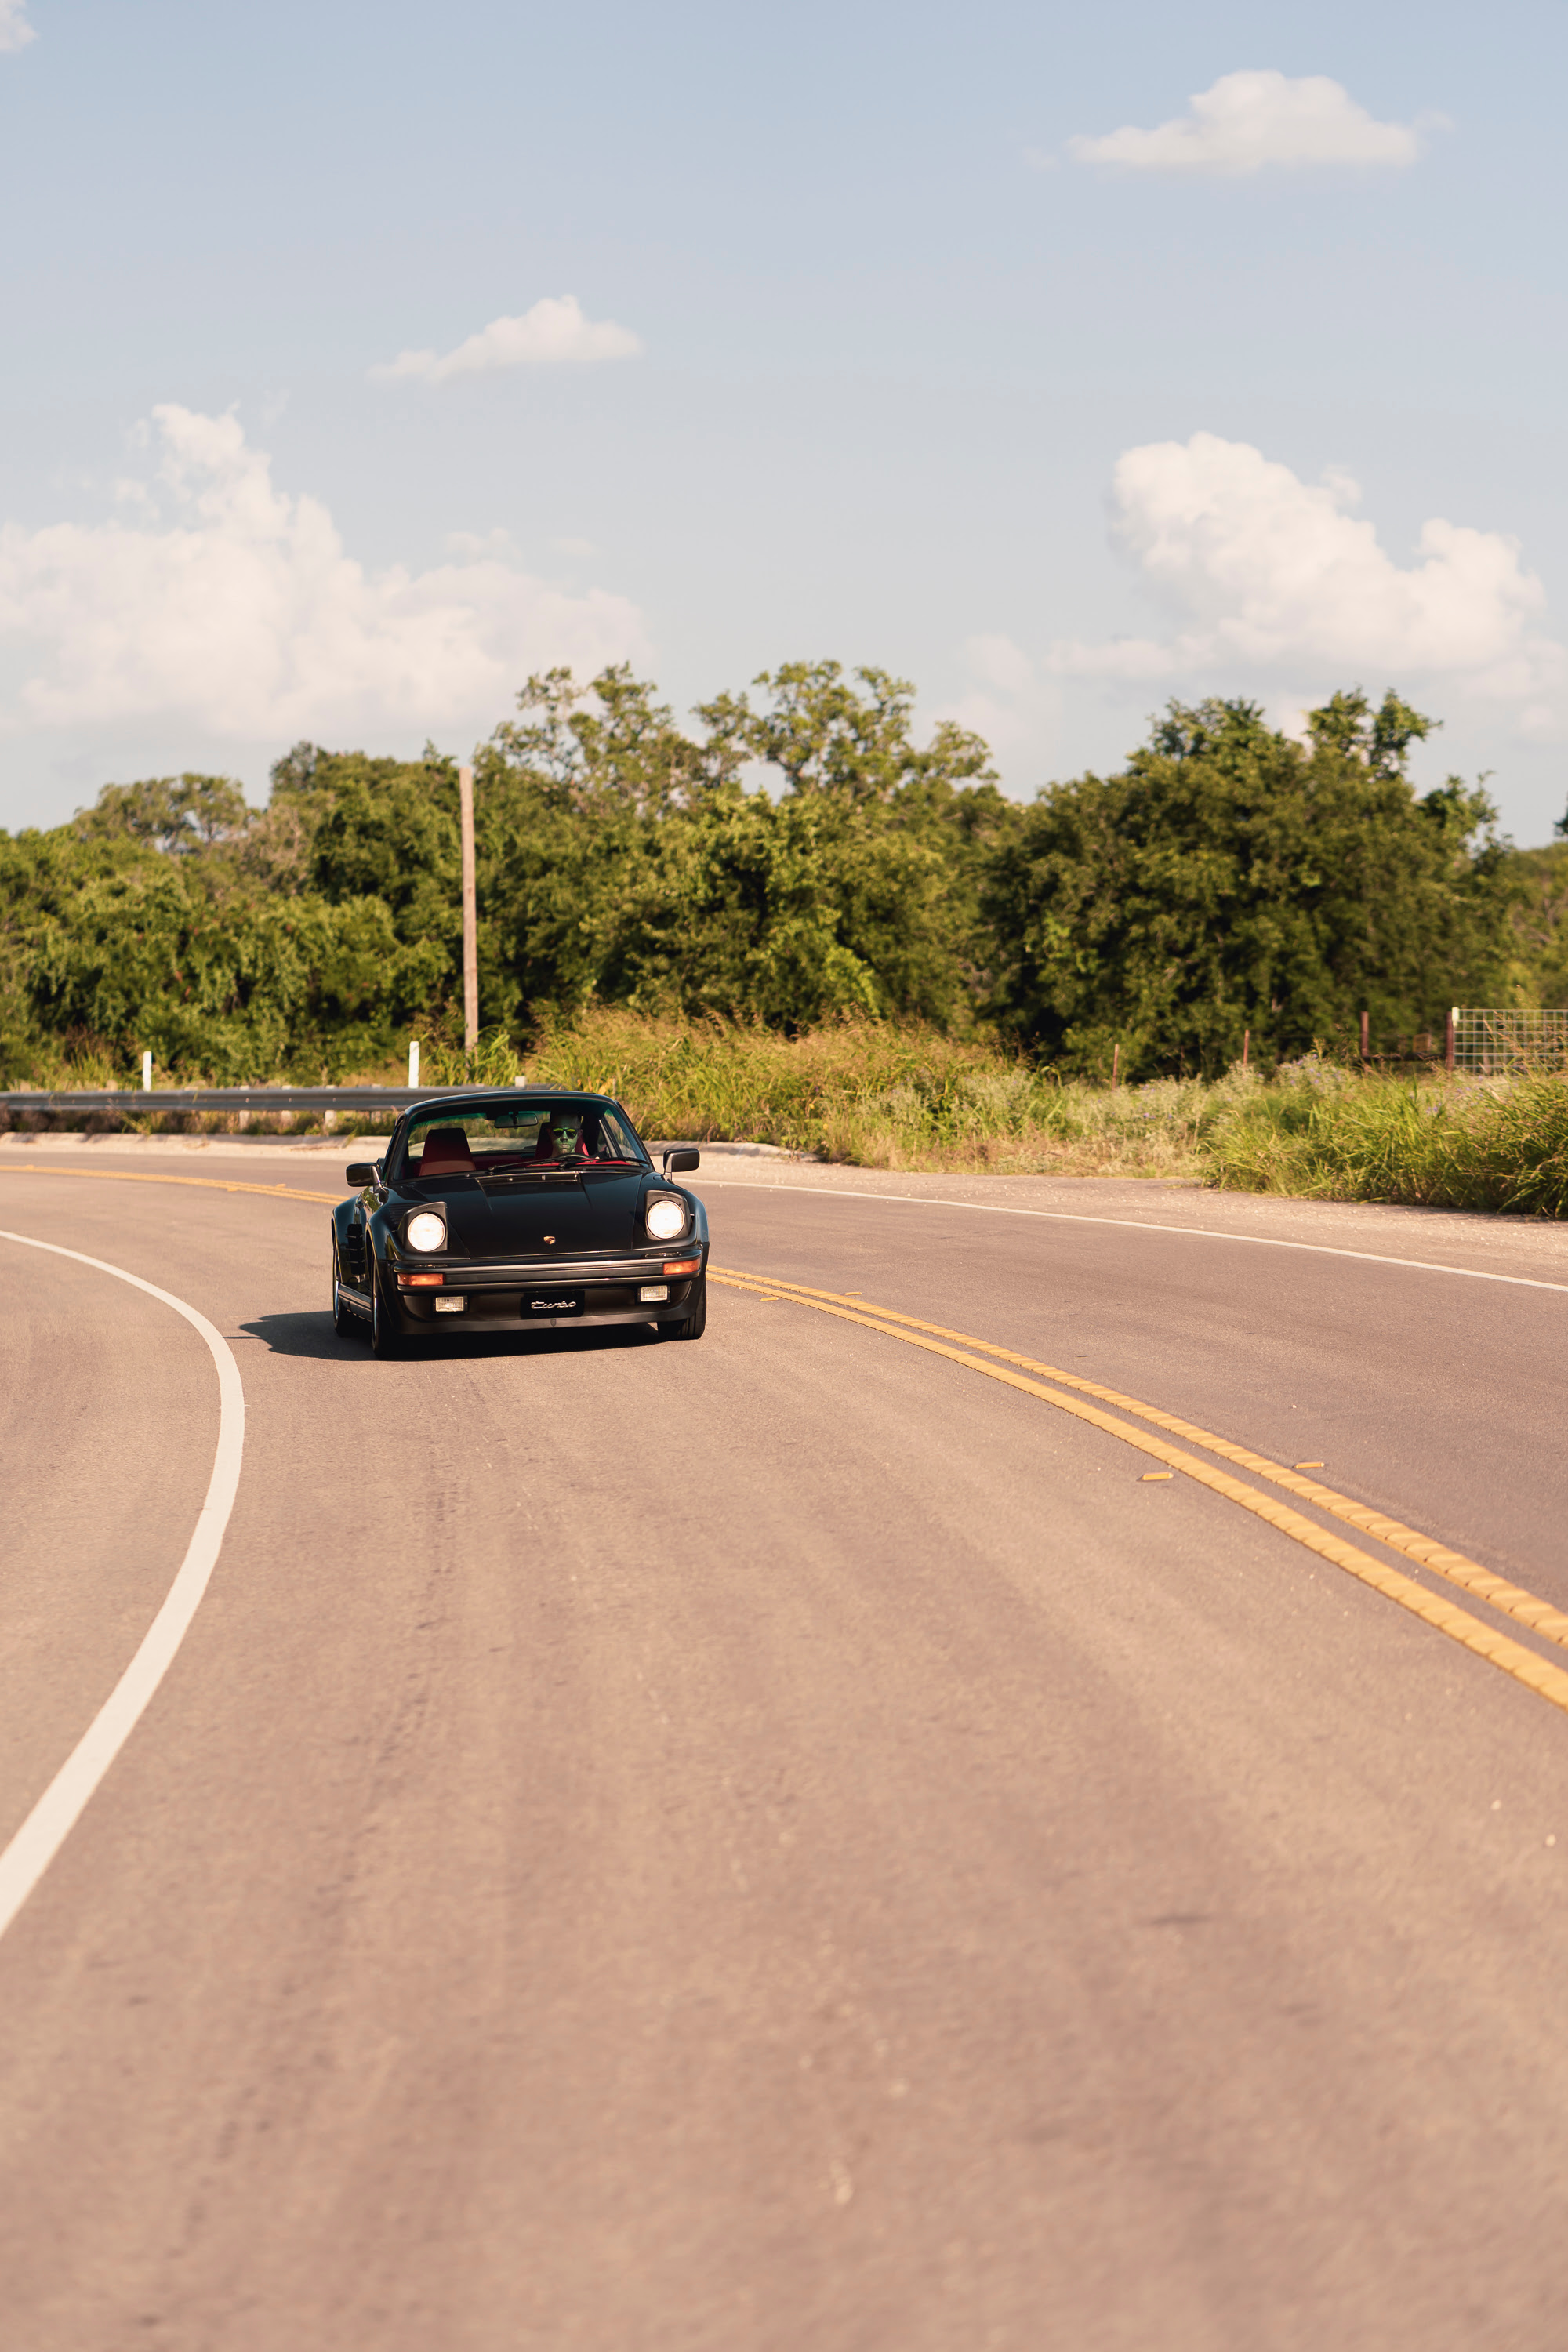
(447, 1153)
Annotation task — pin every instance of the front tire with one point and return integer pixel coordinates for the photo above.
(694, 1322)
(384, 1337)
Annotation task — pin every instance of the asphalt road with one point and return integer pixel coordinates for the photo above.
(783, 1841)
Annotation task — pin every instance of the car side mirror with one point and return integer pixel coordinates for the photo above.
(680, 1163)
(360, 1172)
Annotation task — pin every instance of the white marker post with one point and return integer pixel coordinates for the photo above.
(146, 1074)
(413, 1061)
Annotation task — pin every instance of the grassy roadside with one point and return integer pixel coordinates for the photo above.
(1497, 1144)
(877, 1097)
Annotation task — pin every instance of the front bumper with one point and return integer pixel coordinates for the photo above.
(500, 1293)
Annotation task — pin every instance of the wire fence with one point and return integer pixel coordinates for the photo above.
(1496, 1042)
(1475, 1041)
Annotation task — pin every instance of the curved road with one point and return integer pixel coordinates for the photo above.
(790, 1841)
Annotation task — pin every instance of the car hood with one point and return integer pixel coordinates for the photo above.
(494, 1217)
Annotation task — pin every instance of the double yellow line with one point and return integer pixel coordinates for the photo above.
(1069, 1394)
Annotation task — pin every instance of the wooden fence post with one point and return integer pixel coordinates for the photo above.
(470, 944)
(1449, 1026)
(1366, 1037)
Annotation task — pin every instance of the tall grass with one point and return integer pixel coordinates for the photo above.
(1497, 1144)
(880, 1096)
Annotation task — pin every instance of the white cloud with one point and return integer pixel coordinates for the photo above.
(1008, 701)
(1249, 119)
(473, 544)
(997, 661)
(1272, 574)
(15, 30)
(553, 330)
(245, 614)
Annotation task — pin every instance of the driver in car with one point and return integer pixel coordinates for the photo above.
(563, 1138)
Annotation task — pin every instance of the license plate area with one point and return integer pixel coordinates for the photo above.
(541, 1305)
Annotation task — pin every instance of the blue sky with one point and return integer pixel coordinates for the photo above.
(908, 370)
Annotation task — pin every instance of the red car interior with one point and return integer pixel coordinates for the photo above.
(447, 1153)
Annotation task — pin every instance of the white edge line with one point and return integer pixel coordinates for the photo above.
(1126, 1225)
(57, 1810)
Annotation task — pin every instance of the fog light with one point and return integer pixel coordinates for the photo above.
(448, 1306)
(683, 1266)
(420, 1281)
(652, 1292)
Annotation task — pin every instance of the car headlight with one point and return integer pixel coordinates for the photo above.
(426, 1231)
(666, 1218)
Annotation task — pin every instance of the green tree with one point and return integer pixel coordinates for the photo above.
(609, 746)
(174, 814)
(1537, 884)
(626, 860)
(144, 924)
(1230, 879)
(825, 736)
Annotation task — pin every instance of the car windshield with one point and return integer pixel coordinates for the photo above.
(502, 1137)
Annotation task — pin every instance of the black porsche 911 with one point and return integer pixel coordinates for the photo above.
(527, 1207)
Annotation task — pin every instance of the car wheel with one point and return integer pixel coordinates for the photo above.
(694, 1322)
(342, 1317)
(384, 1338)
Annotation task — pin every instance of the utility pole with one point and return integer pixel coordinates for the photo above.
(470, 946)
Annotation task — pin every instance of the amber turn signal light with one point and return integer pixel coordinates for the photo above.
(683, 1266)
(420, 1281)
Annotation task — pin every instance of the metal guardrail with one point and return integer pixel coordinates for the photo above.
(137, 1102)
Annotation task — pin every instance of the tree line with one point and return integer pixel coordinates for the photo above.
(795, 858)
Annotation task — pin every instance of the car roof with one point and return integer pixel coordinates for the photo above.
(472, 1098)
